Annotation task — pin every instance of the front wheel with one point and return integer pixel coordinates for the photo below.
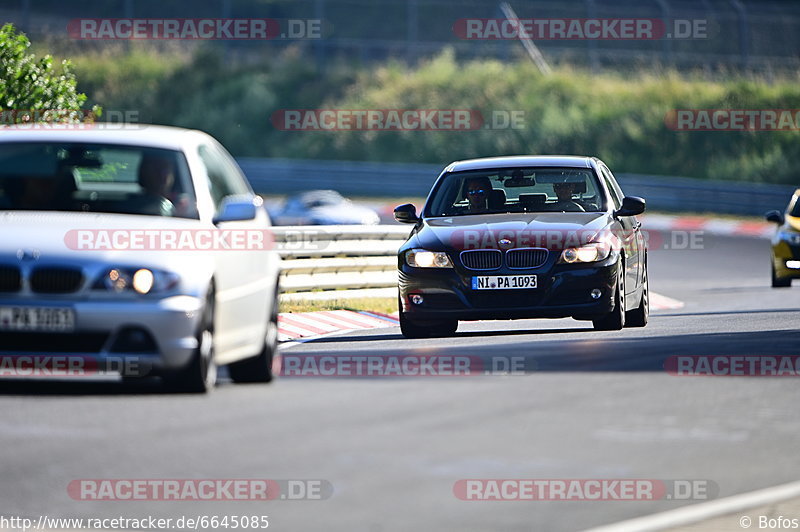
(259, 368)
(614, 320)
(639, 316)
(200, 375)
(777, 282)
(431, 329)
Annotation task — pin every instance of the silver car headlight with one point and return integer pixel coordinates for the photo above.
(592, 252)
(138, 280)
(422, 258)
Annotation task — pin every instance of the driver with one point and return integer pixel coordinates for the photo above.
(156, 177)
(478, 189)
(564, 192)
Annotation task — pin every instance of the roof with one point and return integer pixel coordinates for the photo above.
(103, 133)
(520, 161)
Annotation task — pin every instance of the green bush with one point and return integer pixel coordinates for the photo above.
(31, 84)
(619, 117)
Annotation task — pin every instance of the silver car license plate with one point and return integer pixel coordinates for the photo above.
(37, 319)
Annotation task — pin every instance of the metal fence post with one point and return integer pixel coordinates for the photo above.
(591, 44)
(412, 30)
(666, 16)
(320, 45)
(744, 32)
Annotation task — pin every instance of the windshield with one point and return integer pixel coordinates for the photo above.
(42, 176)
(508, 190)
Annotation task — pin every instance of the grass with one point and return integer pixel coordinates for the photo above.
(384, 305)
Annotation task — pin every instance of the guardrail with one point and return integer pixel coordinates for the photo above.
(338, 257)
(286, 176)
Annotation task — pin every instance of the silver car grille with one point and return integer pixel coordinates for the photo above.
(55, 280)
(10, 279)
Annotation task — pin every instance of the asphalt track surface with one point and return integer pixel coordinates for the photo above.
(591, 405)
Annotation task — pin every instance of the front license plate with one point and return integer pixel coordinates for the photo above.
(37, 319)
(503, 282)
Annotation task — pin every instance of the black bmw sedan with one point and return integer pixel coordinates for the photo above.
(523, 237)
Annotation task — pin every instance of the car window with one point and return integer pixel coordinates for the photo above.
(508, 190)
(60, 176)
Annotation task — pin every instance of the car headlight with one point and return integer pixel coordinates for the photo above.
(138, 280)
(592, 252)
(791, 237)
(420, 258)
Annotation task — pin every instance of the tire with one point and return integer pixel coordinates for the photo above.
(614, 320)
(777, 282)
(259, 368)
(639, 316)
(431, 329)
(200, 375)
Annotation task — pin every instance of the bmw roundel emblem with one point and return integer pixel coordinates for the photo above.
(505, 242)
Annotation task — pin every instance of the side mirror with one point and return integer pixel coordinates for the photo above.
(775, 217)
(631, 206)
(238, 208)
(406, 214)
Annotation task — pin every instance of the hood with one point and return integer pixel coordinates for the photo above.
(491, 231)
(52, 237)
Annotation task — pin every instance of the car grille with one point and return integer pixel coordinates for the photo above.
(10, 279)
(55, 280)
(526, 258)
(482, 259)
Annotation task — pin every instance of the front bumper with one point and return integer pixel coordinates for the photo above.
(563, 290)
(783, 252)
(137, 338)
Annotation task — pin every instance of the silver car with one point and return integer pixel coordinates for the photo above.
(142, 250)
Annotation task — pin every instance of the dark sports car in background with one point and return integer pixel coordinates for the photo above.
(786, 243)
(523, 237)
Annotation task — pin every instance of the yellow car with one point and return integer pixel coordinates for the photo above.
(786, 243)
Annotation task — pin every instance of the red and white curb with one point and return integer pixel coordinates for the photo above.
(302, 324)
(659, 302)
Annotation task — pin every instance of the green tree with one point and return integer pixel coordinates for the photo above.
(28, 84)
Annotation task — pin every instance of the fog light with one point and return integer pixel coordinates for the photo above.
(417, 299)
(793, 264)
(596, 293)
